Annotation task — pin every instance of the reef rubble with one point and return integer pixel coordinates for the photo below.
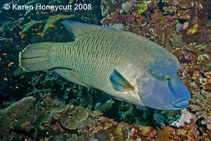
(45, 118)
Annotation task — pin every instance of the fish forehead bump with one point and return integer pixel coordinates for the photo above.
(163, 67)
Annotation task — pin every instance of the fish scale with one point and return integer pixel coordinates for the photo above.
(101, 53)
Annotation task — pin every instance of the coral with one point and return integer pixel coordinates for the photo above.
(178, 27)
(169, 7)
(163, 134)
(206, 84)
(176, 40)
(28, 113)
(193, 30)
(73, 117)
(120, 131)
(58, 138)
(101, 135)
(195, 73)
(46, 108)
(142, 7)
(106, 107)
(172, 25)
(189, 132)
(166, 117)
(170, 114)
(126, 111)
(127, 6)
(200, 103)
(184, 15)
(15, 115)
(185, 118)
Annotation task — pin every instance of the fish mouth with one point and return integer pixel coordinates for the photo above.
(180, 104)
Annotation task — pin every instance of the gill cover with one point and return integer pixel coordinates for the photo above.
(161, 88)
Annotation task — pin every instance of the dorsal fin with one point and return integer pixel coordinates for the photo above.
(77, 29)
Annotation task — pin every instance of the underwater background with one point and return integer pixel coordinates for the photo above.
(43, 105)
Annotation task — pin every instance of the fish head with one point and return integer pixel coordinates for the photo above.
(160, 87)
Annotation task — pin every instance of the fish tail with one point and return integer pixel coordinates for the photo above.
(36, 57)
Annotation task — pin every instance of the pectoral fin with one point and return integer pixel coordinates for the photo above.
(69, 75)
(119, 83)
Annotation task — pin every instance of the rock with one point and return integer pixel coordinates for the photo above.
(127, 6)
(185, 25)
(176, 40)
(178, 27)
(14, 115)
(101, 135)
(73, 117)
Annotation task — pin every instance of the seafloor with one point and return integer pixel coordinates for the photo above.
(44, 106)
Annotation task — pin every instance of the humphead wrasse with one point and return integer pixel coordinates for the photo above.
(122, 64)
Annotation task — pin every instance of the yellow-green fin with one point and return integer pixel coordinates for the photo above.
(35, 57)
(69, 75)
(119, 83)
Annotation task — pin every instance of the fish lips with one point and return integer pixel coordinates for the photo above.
(180, 104)
(180, 92)
(163, 94)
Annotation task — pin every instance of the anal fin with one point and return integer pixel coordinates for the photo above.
(69, 75)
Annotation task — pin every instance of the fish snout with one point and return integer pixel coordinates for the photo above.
(181, 94)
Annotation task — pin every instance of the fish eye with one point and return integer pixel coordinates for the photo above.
(167, 77)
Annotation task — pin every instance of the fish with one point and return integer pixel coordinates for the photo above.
(22, 36)
(10, 64)
(5, 79)
(40, 34)
(51, 25)
(122, 64)
(11, 40)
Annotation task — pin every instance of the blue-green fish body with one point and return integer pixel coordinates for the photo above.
(122, 64)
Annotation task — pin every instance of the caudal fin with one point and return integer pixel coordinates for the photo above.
(36, 57)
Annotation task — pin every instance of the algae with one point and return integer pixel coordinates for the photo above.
(28, 26)
(53, 20)
(142, 7)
